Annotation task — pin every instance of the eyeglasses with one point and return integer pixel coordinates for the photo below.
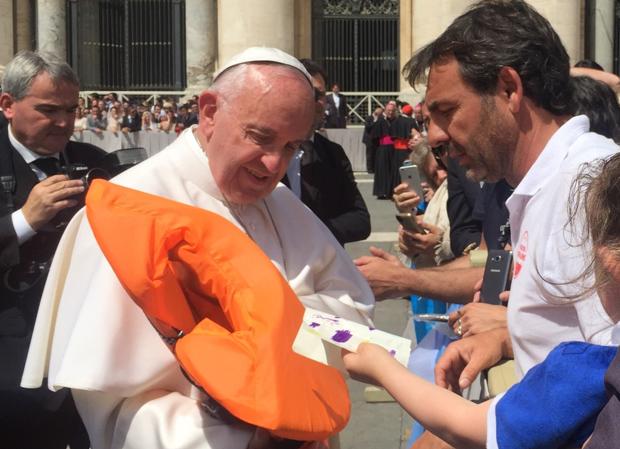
(318, 94)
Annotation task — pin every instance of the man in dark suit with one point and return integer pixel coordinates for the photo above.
(336, 109)
(132, 122)
(368, 140)
(3, 120)
(39, 98)
(321, 175)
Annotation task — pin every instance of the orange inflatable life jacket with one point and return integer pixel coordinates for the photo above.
(227, 314)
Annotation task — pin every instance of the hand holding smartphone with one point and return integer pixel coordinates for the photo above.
(496, 278)
(409, 222)
(410, 175)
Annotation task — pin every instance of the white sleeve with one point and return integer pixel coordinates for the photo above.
(22, 228)
(329, 282)
(156, 419)
(316, 266)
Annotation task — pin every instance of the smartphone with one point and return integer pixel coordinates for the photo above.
(431, 317)
(408, 221)
(496, 276)
(410, 175)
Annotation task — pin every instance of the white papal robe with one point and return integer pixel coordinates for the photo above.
(92, 338)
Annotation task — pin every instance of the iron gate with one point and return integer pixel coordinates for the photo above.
(357, 43)
(128, 44)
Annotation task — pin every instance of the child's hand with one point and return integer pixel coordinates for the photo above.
(367, 363)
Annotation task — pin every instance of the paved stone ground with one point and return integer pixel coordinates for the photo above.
(377, 425)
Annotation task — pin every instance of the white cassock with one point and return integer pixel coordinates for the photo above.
(92, 338)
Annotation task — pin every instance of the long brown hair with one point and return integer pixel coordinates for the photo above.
(602, 206)
(597, 190)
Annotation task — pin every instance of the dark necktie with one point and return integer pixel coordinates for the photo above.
(48, 165)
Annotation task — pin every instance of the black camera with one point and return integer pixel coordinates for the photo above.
(87, 175)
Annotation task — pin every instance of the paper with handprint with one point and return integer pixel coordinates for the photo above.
(319, 327)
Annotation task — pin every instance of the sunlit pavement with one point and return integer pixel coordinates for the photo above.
(377, 425)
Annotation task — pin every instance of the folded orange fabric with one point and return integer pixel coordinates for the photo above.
(193, 271)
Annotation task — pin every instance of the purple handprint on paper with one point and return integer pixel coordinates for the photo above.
(342, 336)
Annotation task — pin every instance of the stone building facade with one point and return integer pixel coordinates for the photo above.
(216, 29)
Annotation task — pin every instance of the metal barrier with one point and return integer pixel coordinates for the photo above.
(152, 141)
(362, 104)
(155, 141)
(127, 95)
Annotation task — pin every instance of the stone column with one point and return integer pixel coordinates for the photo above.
(604, 33)
(243, 24)
(24, 25)
(52, 27)
(6, 33)
(303, 28)
(430, 19)
(201, 43)
(566, 19)
(405, 23)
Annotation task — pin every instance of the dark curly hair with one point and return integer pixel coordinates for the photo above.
(502, 33)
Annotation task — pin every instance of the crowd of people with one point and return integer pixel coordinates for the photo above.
(98, 113)
(135, 317)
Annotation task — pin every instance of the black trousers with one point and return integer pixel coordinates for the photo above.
(40, 419)
(371, 150)
(382, 186)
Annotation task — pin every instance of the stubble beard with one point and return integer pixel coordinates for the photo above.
(493, 142)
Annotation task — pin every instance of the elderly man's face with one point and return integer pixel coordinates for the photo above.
(478, 130)
(251, 139)
(43, 120)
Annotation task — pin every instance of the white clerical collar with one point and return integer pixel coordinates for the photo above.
(26, 153)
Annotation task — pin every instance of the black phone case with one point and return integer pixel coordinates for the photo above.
(496, 277)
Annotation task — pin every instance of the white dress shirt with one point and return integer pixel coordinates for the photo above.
(22, 228)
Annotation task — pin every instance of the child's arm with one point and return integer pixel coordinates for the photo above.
(452, 418)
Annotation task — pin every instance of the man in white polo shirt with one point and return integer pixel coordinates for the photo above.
(501, 99)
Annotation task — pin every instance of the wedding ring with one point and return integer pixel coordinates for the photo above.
(459, 328)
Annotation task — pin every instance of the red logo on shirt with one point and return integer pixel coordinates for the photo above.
(520, 255)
